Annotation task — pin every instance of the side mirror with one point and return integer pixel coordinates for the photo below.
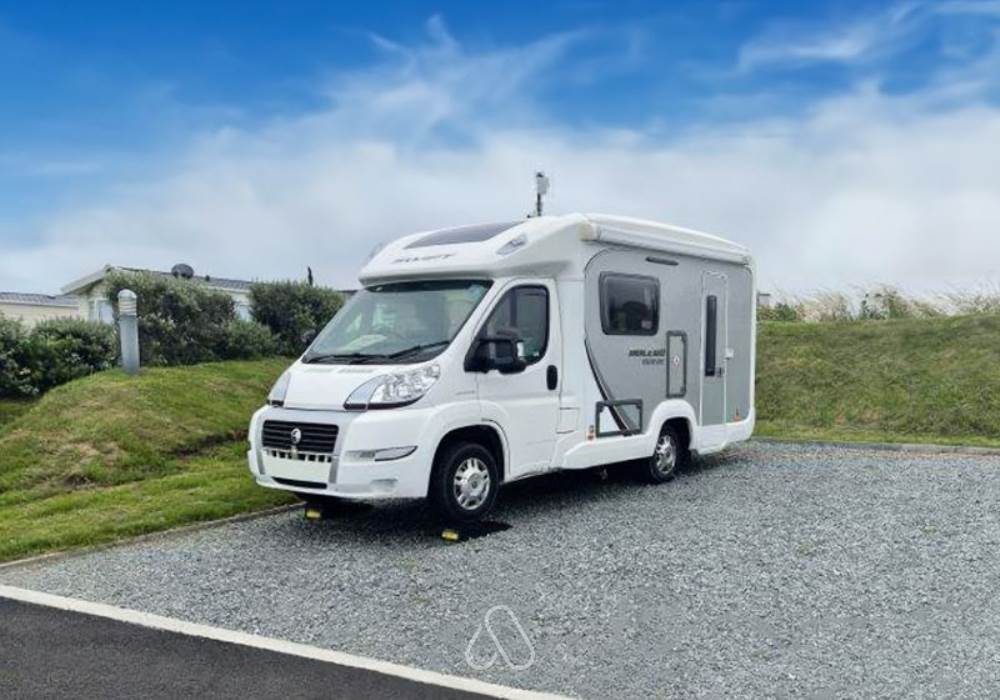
(506, 355)
(308, 336)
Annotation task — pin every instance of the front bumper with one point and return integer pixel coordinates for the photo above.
(345, 473)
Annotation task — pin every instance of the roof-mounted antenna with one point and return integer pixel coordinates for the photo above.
(541, 189)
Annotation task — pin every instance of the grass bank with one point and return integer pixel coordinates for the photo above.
(915, 380)
(111, 456)
(11, 409)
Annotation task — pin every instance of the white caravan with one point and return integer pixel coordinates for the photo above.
(480, 355)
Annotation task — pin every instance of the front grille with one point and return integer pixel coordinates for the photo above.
(301, 456)
(318, 438)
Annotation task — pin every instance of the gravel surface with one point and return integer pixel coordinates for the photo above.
(772, 570)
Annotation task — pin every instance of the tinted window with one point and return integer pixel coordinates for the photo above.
(523, 313)
(711, 334)
(630, 305)
(463, 234)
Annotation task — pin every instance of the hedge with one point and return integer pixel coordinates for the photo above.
(52, 353)
(15, 360)
(67, 349)
(291, 309)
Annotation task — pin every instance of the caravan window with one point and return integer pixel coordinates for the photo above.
(630, 304)
(711, 334)
(523, 312)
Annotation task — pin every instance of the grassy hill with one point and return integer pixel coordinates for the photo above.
(109, 456)
(919, 380)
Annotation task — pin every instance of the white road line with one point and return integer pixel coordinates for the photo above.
(280, 646)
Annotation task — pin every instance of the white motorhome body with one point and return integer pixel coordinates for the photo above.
(560, 342)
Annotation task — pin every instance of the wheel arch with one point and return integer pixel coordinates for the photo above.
(678, 413)
(485, 434)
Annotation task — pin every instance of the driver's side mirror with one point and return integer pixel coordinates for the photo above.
(308, 336)
(506, 355)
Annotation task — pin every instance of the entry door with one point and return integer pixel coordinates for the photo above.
(714, 344)
(526, 404)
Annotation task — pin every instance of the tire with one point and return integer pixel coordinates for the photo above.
(669, 456)
(464, 483)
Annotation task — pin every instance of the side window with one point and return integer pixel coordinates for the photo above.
(523, 312)
(630, 304)
(711, 334)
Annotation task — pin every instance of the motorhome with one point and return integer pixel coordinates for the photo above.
(480, 355)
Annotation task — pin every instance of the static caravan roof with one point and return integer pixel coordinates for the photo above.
(542, 246)
(62, 301)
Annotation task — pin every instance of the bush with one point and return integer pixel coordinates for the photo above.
(181, 322)
(290, 309)
(66, 349)
(247, 340)
(782, 311)
(15, 360)
(52, 353)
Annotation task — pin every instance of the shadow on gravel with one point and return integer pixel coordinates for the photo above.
(520, 503)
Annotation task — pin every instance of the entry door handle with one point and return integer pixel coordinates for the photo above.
(552, 377)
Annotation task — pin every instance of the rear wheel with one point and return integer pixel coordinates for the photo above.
(669, 455)
(465, 482)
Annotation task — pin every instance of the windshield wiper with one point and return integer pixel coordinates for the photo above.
(415, 349)
(352, 357)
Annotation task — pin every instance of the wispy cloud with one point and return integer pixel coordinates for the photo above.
(848, 42)
(863, 186)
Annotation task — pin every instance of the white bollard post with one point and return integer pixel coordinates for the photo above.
(128, 330)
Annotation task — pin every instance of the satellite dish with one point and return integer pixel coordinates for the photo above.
(182, 271)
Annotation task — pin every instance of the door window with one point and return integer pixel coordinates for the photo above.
(711, 334)
(522, 313)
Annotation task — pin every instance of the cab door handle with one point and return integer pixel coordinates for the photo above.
(552, 377)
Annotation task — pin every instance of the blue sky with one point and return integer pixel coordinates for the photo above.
(252, 139)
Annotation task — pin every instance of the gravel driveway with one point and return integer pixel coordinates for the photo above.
(771, 570)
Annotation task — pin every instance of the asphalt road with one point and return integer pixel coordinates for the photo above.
(51, 653)
(773, 570)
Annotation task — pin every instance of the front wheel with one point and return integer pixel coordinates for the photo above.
(669, 455)
(465, 482)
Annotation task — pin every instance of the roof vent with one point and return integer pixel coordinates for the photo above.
(182, 271)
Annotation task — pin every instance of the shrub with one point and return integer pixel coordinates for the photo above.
(290, 309)
(65, 349)
(247, 340)
(15, 361)
(782, 311)
(181, 322)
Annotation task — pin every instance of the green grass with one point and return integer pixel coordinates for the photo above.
(210, 486)
(11, 409)
(111, 456)
(921, 380)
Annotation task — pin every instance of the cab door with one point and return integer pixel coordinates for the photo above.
(525, 404)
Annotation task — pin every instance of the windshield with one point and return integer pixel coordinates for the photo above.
(397, 323)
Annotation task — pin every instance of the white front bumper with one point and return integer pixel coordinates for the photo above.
(344, 474)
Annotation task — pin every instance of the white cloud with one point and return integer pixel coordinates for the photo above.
(864, 187)
(853, 41)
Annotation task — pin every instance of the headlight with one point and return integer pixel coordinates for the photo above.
(397, 389)
(280, 388)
